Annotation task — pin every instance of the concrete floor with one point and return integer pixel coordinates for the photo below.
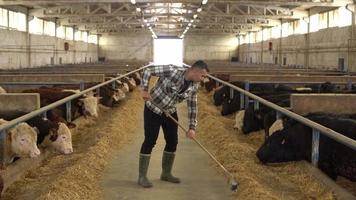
(200, 180)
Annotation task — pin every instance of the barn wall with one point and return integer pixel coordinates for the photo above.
(326, 47)
(21, 50)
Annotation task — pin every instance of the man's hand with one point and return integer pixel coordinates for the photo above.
(191, 133)
(146, 96)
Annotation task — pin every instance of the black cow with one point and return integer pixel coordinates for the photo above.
(326, 87)
(230, 106)
(294, 143)
(264, 117)
(220, 94)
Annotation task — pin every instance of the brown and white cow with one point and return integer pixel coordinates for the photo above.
(130, 82)
(87, 105)
(21, 142)
(53, 135)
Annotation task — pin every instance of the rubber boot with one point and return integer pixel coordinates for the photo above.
(167, 164)
(143, 167)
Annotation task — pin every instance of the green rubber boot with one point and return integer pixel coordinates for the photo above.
(143, 167)
(167, 164)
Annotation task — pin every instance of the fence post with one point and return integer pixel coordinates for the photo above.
(315, 148)
(256, 105)
(114, 85)
(349, 85)
(69, 111)
(242, 101)
(231, 93)
(98, 92)
(44, 115)
(247, 99)
(2, 148)
(81, 86)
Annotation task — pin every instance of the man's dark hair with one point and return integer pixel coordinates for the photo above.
(201, 65)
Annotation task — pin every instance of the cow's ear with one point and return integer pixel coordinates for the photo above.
(71, 125)
(36, 129)
(53, 135)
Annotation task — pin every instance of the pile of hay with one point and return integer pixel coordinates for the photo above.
(76, 176)
(237, 152)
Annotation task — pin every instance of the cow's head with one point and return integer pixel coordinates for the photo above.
(90, 105)
(275, 149)
(61, 141)
(132, 82)
(23, 139)
(252, 120)
(119, 95)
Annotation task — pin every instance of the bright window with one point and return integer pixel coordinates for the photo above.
(345, 17)
(78, 35)
(259, 36)
(69, 33)
(285, 30)
(276, 31)
(314, 23)
(301, 26)
(266, 34)
(168, 51)
(93, 39)
(241, 40)
(3, 17)
(49, 28)
(323, 20)
(252, 37)
(36, 26)
(17, 21)
(61, 32)
(84, 36)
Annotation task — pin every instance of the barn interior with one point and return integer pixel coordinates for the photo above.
(276, 109)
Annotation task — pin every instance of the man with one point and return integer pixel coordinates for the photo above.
(175, 84)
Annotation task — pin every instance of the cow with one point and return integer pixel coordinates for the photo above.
(220, 94)
(130, 82)
(263, 117)
(21, 142)
(124, 87)
(87, 105)
(54, 134)
(208, 84)
(110, 96)
(137, 77)
(294, 143)
(239, 119)
(230, 106)
(2, 90)
(326, 87)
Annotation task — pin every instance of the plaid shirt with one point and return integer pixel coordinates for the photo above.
(166, 93)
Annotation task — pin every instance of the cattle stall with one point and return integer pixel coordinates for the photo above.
(15, 172)
(317, 128)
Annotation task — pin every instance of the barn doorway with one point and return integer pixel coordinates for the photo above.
(168, 51)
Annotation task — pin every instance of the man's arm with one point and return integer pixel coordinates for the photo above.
(159, 70)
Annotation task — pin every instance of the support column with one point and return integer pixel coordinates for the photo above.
(307, 44)
(28, 39)
(262, 45)
(280, 45)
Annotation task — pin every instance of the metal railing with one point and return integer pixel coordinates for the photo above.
(66, 100)
(317, 128)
